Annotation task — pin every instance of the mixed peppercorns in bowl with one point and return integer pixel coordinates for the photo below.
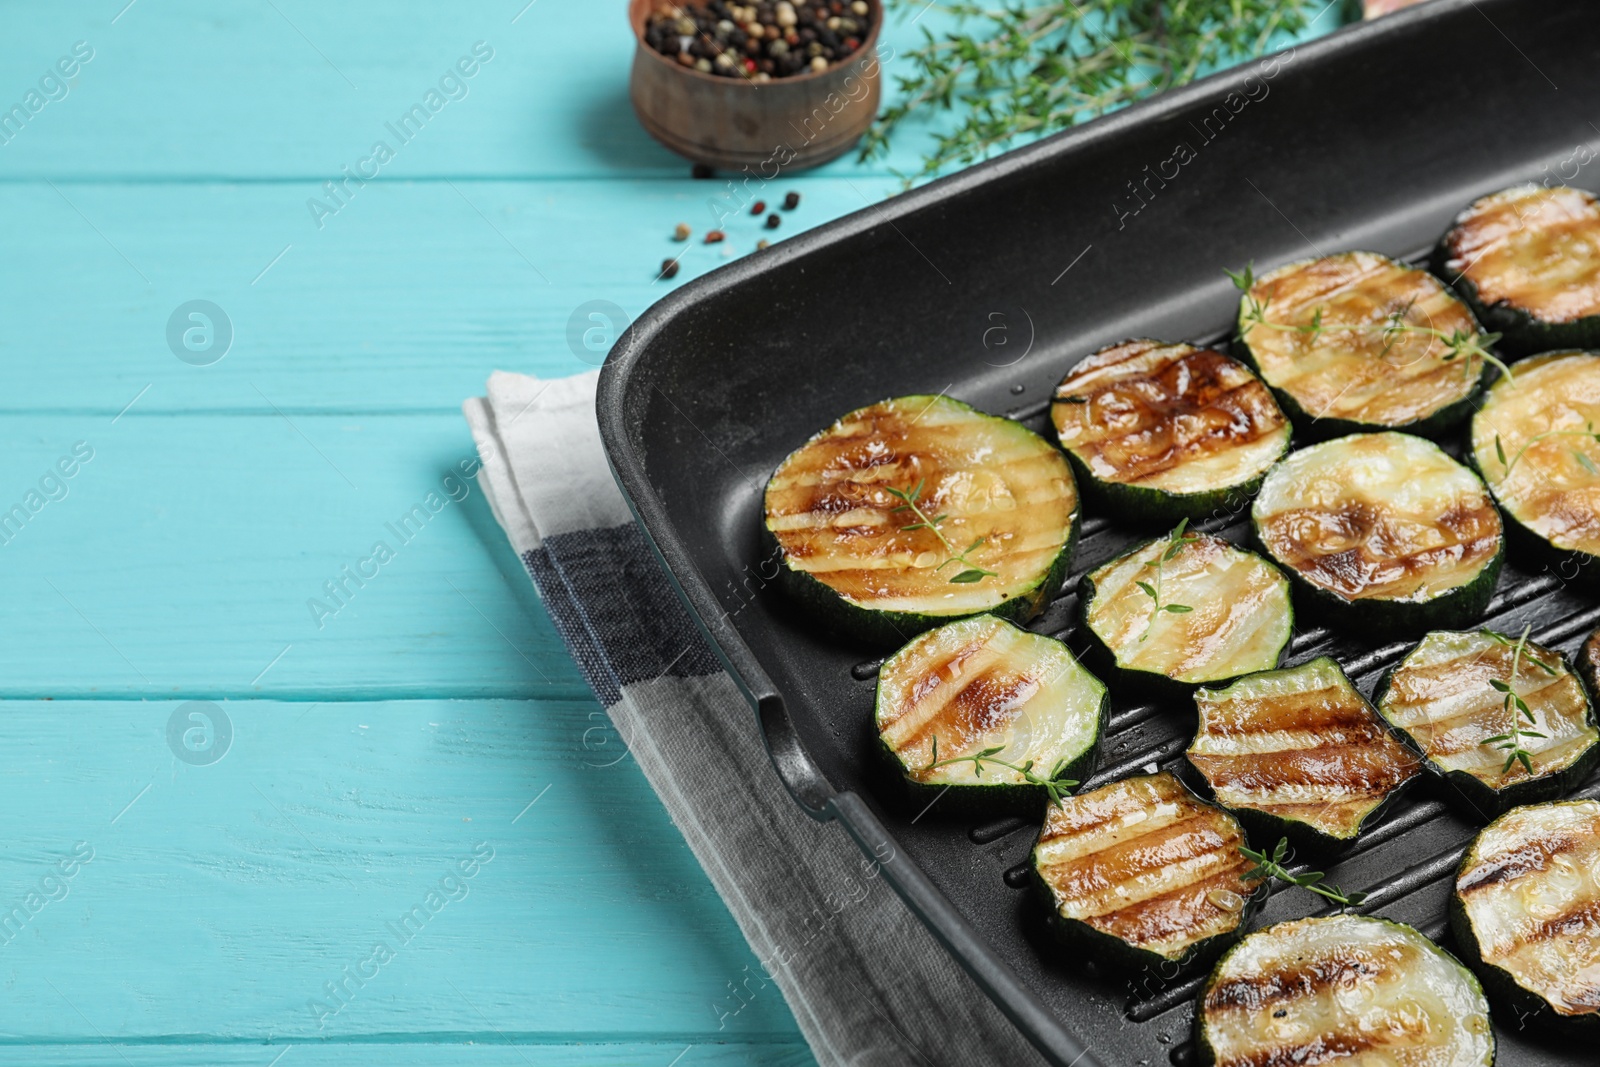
(759, 41)
(767, 86)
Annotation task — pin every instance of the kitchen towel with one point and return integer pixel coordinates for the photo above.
(866, 981)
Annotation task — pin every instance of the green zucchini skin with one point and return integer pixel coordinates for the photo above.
(1361, 758)
(890, 629)
(1459, 259)
(1003, 671)
(1142, 793)
(1521, 335)
(1478, 798)
(993, 484)
(1175, 389)
(1529, 1005)
(1305, 981)
(1558, 375)
(1438, 426)
(1477, 525)
(1141, 506)
(1210, 552)
(1433, 422)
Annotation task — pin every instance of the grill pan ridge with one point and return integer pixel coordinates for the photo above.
(1373, 138)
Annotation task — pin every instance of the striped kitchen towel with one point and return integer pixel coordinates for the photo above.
(867, 983)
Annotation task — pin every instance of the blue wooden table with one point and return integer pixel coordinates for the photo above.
(231, 771)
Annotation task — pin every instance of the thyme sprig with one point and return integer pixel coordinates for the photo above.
(1459, 343)
(1584, 461)
(1515, 708)
(1018, 70)
(971, 572)
(1053, 783)
(1176, 541)
(1272, 866)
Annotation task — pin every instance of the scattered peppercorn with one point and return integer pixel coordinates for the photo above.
(791, 201)
(669, 268)
(772, 221)
(714, 236)
(758, 207)
(763, 243)
(681, 232)
(703, 170)
(760, 40)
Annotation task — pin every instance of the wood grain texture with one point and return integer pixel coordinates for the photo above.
(475, 1051)
(404, 301)
(182, 559)
(218, 901)
(294, 88)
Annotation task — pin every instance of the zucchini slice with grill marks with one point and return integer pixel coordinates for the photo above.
(1299, 753)
(1235, 617)
(1534, 443)
(1526, 912)
(1163, 431)
(919, 510)
(1345, 989)
(962, 709)
(1356, 372)
(1445, 696)
(1589, 664)
(1383, 530)
(1527, 260)
(1142, 872)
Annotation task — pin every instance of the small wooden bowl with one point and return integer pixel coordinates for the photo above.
(785, 123)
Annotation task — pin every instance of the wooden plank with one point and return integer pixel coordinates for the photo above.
(298, 89)
(403, 301)
(186, 557)
(476, 1051)
(181, 901)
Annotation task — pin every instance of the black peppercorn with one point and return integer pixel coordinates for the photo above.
(703, 170)
(791, 201)
(772, 222)
(669, 268)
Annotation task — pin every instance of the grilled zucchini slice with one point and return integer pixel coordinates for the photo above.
(1356, 373)
(1299, 753)
(1235, 617)
(1142, 873)
(985, 519)
(1444, 698)
(1589, 664)
(1526, 912)
(1346, 989)
(962, 709)
(1534, 444)
(1384, 531)
(1166, 431)
(1527, 260)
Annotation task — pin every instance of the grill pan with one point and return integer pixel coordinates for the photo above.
(988, 286)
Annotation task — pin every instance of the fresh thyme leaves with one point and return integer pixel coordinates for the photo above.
(1175, 543)
(1272, 866)
(1020, 70)
(1511, 742)
(1458, 343)
(1584, 461)
(971, 572)
(1053, 784)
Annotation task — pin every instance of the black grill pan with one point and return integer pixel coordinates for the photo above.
(1371, 138)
